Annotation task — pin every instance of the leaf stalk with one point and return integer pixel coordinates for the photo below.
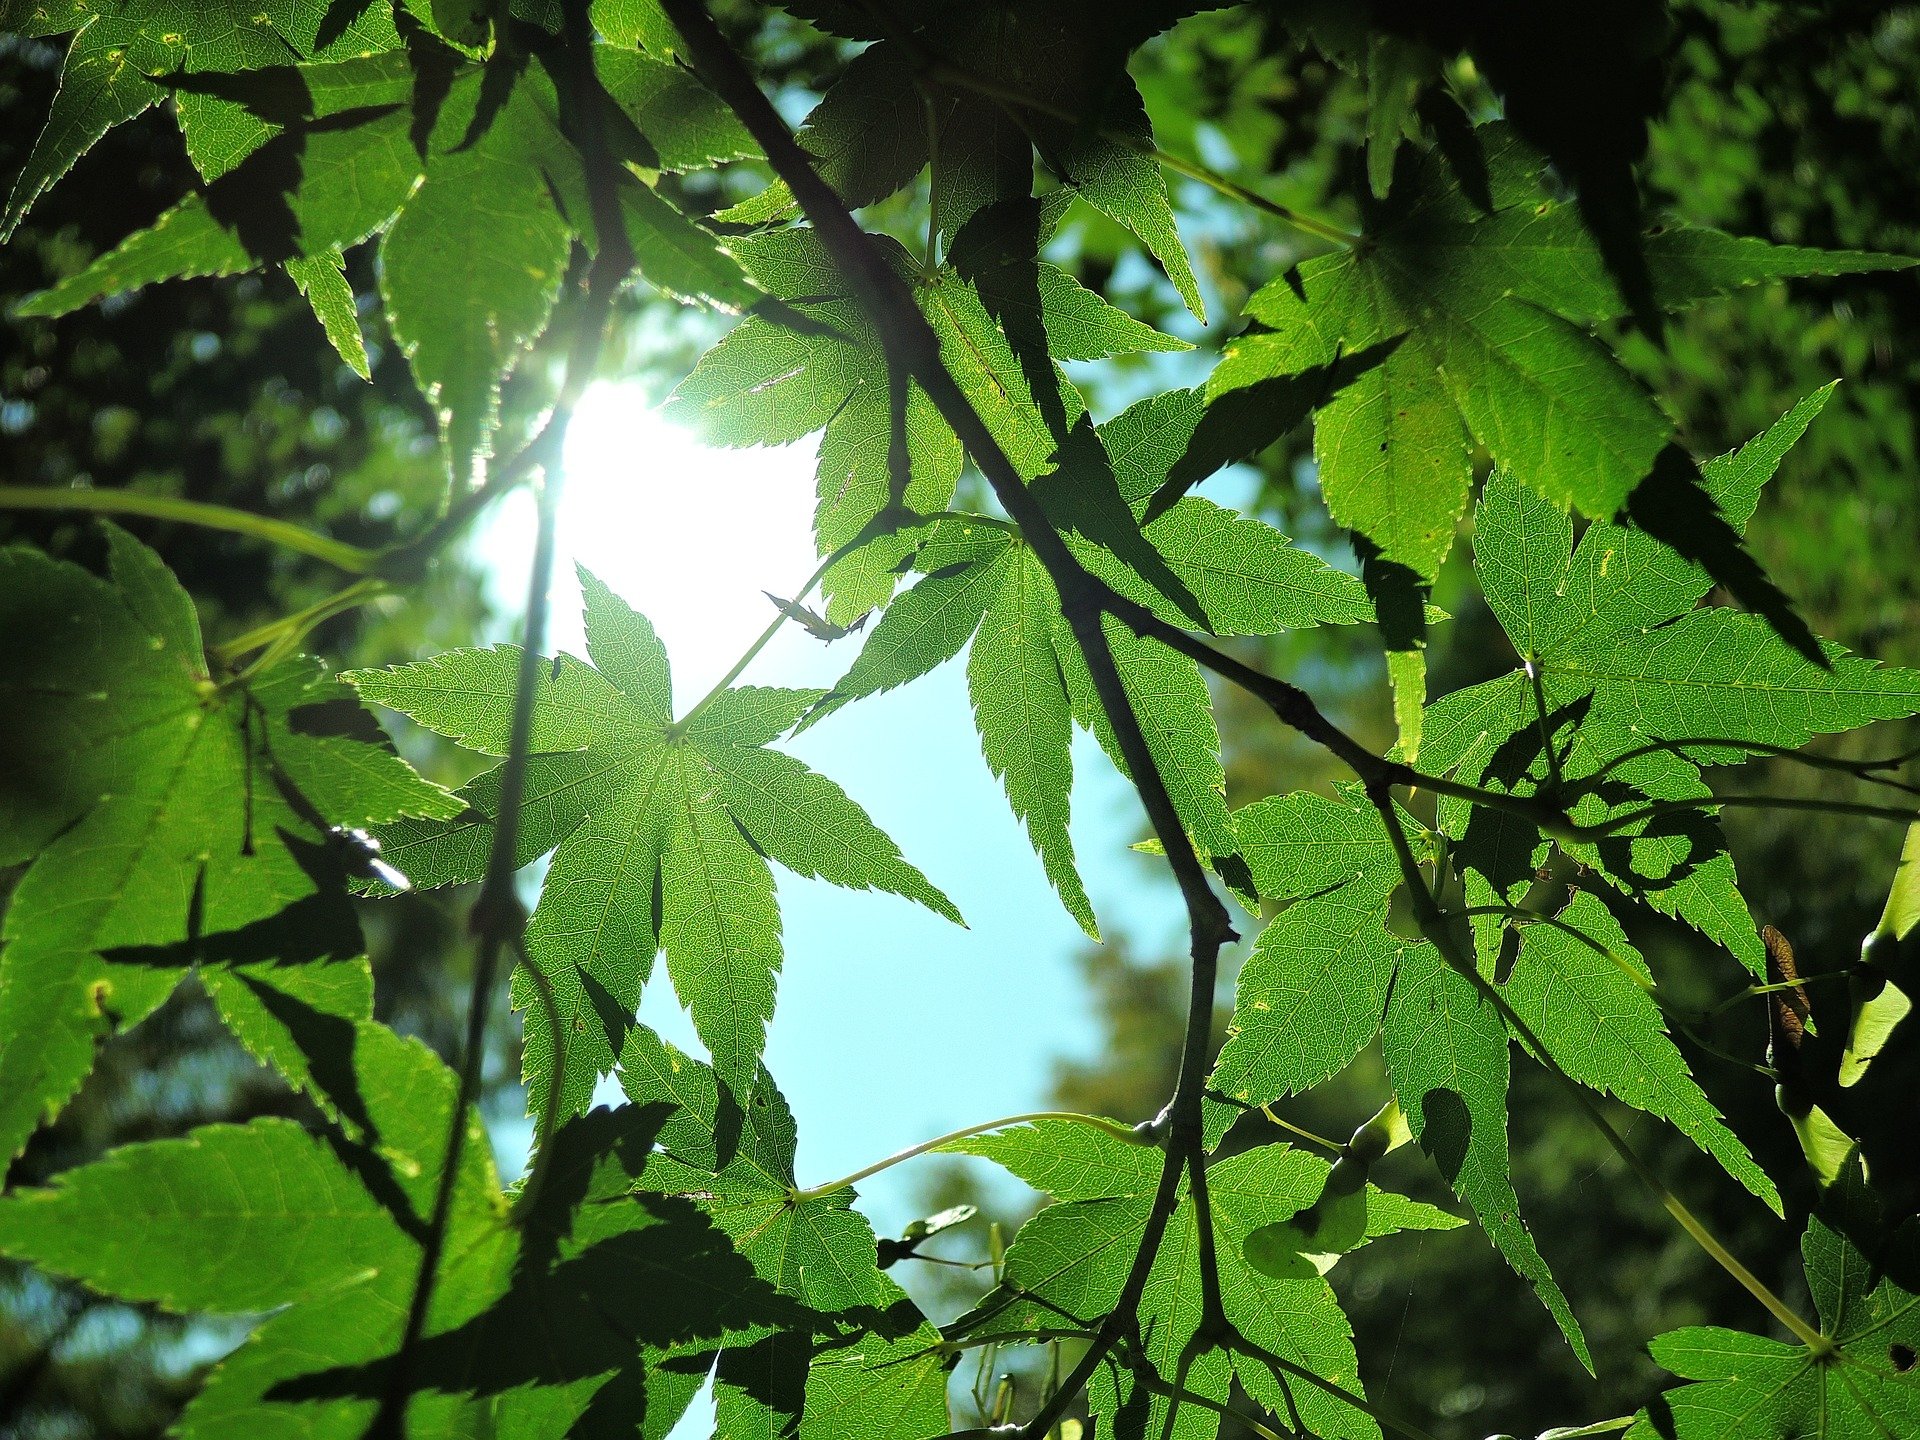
(284, 533)
(1097, 1122)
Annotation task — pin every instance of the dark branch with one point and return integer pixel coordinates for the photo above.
(497, 918)
(912, 347)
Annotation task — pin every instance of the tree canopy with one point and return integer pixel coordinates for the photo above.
(1485, 295)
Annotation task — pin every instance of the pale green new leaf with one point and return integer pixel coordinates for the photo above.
(1248, 577)
(928, 625)
(640, 24)
(1116, 172)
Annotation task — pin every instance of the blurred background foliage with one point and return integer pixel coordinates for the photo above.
(1796, 121)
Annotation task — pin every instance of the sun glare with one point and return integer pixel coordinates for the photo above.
(687, 535)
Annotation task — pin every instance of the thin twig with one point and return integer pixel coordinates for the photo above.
(1106, 1127)
(1867, 770)
(1656, 808)
(496, 917)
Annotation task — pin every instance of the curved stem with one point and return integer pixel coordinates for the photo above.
(752, 651)
(1582, 1432)
(1433, 923)
(1331, 1146)
(1654, 808)
(1536, 917)
(1679, 1019)
(297, 625)
(1234, 190)
(351, 558)
(1179, 1395)
(1774, 988)
(1860, 769)
(1110, 1127)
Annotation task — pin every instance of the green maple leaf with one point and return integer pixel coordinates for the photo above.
(128, 57)
(1457, 322)
(634, 804)
(1012, 81)
(1312, 992)
(167, 818)
(1625, 659)
(770, 381)
(461, 338)
(869, 1363)
(435, 149)
(678, 124)
(1446, 1051)
(1328, 974)
(1588, 997)
(1025, 673)
(541, 1321)
(1070, 1261)
(1860, 1384)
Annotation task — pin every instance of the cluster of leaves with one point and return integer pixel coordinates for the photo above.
(174, 810)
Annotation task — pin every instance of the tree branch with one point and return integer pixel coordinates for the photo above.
(912, 347)
(497, 918)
